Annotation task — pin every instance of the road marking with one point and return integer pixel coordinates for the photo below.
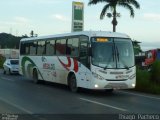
(102, 104)
(16, 106)
(7, 79)
(151, 97)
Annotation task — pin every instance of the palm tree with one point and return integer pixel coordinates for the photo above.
(112, 5)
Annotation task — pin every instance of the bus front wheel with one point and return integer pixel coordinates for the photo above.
(35, 76)
(109, 90)
(73, 83)
(4, 71)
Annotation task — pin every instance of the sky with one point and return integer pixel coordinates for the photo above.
(48, 17)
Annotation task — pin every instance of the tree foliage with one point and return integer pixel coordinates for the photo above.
(9, 41)
(112, 6)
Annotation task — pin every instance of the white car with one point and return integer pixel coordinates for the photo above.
(11, 66)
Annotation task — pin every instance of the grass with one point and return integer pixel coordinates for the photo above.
(145, 82)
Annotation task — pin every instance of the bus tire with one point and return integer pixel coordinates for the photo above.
(9, 72)
(109, 90)
(35, 76)
(73, 83)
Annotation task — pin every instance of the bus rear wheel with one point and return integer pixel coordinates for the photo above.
(73, 83)
(35, 76)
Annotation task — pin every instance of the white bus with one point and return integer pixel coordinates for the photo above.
(87, 59)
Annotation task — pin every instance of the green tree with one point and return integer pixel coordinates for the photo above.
(112, 5)
(9, 41)
(137, 47)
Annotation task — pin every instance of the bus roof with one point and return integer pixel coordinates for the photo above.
(87, 33)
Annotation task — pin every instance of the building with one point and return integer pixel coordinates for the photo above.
(9, 53)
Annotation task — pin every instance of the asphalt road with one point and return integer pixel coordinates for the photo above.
(19, 95)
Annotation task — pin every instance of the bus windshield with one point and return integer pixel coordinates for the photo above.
(112, 53)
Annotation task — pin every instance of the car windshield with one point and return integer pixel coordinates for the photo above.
(112, 53)
(14, 62)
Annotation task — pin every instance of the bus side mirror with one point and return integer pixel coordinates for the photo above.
(90, 52)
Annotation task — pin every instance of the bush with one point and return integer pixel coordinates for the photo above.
(2, 59)
(144, 82)
(143, 79)
(155, 72)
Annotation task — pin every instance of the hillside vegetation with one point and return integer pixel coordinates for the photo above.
(9, 41)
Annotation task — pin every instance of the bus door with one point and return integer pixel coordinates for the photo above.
(83, 53)
(83, 58)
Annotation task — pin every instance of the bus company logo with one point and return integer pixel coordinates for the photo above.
(116, 73)
(122, 76)
(68, 66)
(48, 66)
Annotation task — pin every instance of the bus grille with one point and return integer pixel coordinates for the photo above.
(116, 79)
(116, 86)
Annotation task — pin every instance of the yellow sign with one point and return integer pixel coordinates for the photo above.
(102, 40)
(78, 3)
(77, 16)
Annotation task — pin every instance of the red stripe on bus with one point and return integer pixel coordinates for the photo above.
(75, 65)
(66, 65)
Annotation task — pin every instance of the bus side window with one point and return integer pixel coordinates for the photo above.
(33, 47)
(27, 47)
(61, 47)
(50, 47)
(22, 49)
(41, 48)
(72, 46)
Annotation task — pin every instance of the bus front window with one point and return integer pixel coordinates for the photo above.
(103, 53)
(125, 54)
(112, 53)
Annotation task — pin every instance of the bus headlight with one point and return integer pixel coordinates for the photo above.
(96, 86)
(97, 76)
(133, 85)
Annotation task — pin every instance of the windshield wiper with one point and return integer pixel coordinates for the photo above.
(118, 58)
(105, 67)
(125, 66)
(117, 53)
